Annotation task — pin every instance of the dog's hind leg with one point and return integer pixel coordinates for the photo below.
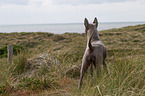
(91, 70)
(105, 66)
(104, 59)
(85, 65)
(98, 62)
(98, 65)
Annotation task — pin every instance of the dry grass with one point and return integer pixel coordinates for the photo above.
(49, 58)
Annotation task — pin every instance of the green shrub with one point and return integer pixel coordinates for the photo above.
(16, 50)
(3, 52)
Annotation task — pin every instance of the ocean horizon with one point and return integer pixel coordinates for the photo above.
(62, 27)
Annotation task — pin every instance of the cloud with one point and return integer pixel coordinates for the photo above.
(84, 2)
(46, 11)
(17, 2)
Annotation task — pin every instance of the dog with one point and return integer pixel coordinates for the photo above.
(95, 53)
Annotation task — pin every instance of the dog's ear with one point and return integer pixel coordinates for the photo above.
(86, 23)
(96, 22)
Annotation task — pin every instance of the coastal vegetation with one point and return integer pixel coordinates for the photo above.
(49, 64)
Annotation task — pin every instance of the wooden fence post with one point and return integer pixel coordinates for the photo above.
(10, 53)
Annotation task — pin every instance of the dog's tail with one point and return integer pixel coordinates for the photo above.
(89, 44)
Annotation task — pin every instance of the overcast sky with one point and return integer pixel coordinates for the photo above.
(70, 11)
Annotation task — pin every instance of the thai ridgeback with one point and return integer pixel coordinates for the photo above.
(95, 53)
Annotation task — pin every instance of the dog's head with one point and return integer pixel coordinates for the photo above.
(90, 27)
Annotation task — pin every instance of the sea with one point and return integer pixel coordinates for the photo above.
(62, 28)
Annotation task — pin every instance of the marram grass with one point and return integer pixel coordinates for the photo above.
(43, 67)
(126, 78)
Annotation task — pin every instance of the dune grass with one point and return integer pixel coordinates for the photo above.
(50, 64)
(126, 78)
